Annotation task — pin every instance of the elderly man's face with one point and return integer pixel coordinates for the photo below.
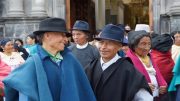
(79, 37)
(54, 40)
(108, 49)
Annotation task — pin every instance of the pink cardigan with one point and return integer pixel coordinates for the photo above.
(139, 66)
(4, 71)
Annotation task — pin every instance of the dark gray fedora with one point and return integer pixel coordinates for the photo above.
(52, 25)
(81, 25)
(111, 32)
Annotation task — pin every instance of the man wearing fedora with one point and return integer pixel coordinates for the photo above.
(114, 78)
(84, 52)
(53, 73)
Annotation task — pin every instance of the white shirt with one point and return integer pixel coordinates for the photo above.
(175, 51)
(152, 75)
(82, 46)
(143, 95)
(14, 60)
(107, 64)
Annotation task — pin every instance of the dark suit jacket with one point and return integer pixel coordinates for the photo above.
(119, 82)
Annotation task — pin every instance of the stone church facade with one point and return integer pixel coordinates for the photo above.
(21, 17)
(166, 15)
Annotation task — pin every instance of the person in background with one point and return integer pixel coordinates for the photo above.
(175, 83)
(125, 47)
(139, 46)
(51, 74)
(83, 51)
(18, 46)
(176, 46)
(11, 58)
(114, 78)
(161, 54)
(127, 28)
(67, 40)
(31, 45)
(19, 42)
(95, 42)
(4, 71)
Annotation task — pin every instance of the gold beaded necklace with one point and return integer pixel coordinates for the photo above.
(145, 60)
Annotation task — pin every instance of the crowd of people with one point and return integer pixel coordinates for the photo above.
(121, 64)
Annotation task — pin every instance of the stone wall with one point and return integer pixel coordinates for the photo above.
(21, 17)
(169, 16)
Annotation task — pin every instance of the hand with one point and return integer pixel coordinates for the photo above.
(162, 89)
(152, 86)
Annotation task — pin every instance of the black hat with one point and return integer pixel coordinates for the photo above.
(81, 25)
(51, 25)
(111, 32)
(162, 43)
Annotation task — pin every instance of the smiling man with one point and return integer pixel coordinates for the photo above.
(53, 73)
(112, 77)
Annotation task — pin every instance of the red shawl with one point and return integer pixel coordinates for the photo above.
(139, 66)
(164, 62)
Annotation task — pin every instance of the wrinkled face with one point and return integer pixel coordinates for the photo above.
(108, 49)
(8, 47)
(54, 41)
(30, 41)
(177, 39)
(79, 37)
(143, 47)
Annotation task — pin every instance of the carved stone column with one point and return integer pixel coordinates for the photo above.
(15, 8)
(59, 8)
(38, 8)
(151, 22)
(175, 8)
(175, 15)
(100, 13)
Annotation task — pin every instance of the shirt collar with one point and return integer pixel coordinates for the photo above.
(44, 53)
(107, 64)
(82, 46)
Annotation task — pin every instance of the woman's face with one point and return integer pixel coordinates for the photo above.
(79, 37)
(8, 47)
(177, 39)
(143, 47)
(30, 41)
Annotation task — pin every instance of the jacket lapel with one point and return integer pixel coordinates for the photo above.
(110, 70)
(97, 74)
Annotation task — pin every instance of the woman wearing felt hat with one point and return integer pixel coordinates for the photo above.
(139, 47)
(114, 78)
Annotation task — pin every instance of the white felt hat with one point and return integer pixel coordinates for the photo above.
(144, 27)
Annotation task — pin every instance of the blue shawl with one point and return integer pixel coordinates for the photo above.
(30, 79)
(176, 78)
